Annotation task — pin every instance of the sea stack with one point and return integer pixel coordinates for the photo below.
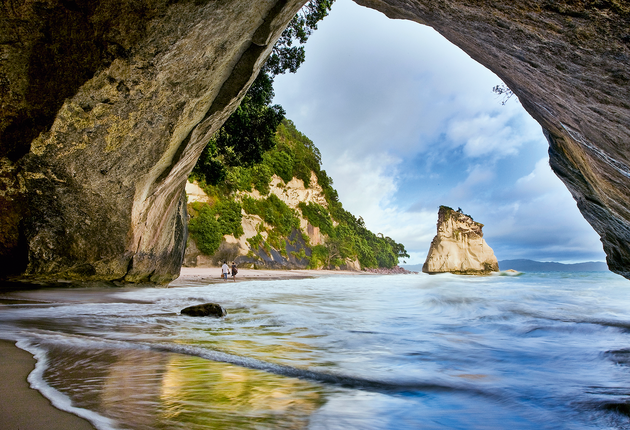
(459, 246)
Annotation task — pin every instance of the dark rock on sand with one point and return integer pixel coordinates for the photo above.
(205, 310)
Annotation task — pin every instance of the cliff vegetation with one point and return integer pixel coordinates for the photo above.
(281, 212)
(267, 201)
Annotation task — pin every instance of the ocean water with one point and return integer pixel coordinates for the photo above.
(536, 351)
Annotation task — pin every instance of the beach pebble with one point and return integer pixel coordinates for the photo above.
(205, 310)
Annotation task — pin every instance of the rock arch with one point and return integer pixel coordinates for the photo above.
(106, 106)
(569, 64)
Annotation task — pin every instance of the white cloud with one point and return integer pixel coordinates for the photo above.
(367, 185)
(403, 118)
(370, 82)
(414, 230)
(540, 182)
(542, 219)
(484, 135)
(478, 176)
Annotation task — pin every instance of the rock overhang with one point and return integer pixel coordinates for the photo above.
(95, 149)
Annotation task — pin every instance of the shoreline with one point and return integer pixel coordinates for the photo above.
(26, 408)
(212, 275)
(23, 407)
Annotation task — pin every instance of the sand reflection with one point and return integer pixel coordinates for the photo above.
(149, 390)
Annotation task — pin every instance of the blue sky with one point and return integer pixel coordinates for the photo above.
(406, 122)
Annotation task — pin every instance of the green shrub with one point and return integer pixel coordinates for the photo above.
(238, 178)
(209, 224)
(255, 241)
(317, 216)
(261, 177)
(306, 157)
(301, 171)
(281, 163)
(384, 255)
(274, 212)
(206, 231)
(301, 254)
(195, 207)
(250, 206)
(365, 253)
(319, 257)
(230, 217)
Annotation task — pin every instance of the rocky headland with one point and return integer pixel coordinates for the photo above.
(459, 246)
(281, 213)
(253, 248)
(106, 106)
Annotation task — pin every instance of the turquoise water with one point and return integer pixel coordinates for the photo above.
(536, 351)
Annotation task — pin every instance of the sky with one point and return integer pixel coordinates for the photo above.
(406, 122)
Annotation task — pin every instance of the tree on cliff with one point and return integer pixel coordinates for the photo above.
(287, 57)
(504, 91)
(245, 136)
(256, 142)
(249, 132)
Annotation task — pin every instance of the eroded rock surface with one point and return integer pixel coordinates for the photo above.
(106, 105)
(245, 254)
(459, 246)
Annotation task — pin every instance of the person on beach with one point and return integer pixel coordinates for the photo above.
(234, 270)
(225, 270)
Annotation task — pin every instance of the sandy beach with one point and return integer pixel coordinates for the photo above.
(24, 408)
(207, 275)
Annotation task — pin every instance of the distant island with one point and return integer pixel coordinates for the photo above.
(538, 266)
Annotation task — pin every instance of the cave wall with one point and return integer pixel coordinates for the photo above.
(107, 104)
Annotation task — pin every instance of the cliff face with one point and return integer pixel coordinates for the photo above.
(240, 249)
(106, 106)
(459, 247)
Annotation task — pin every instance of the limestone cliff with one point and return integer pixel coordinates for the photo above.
(105, 106)
(459, 246)
(296, 252)
(282, 212)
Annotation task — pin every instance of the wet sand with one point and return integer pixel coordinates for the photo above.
(24, 408)
(207, 275)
